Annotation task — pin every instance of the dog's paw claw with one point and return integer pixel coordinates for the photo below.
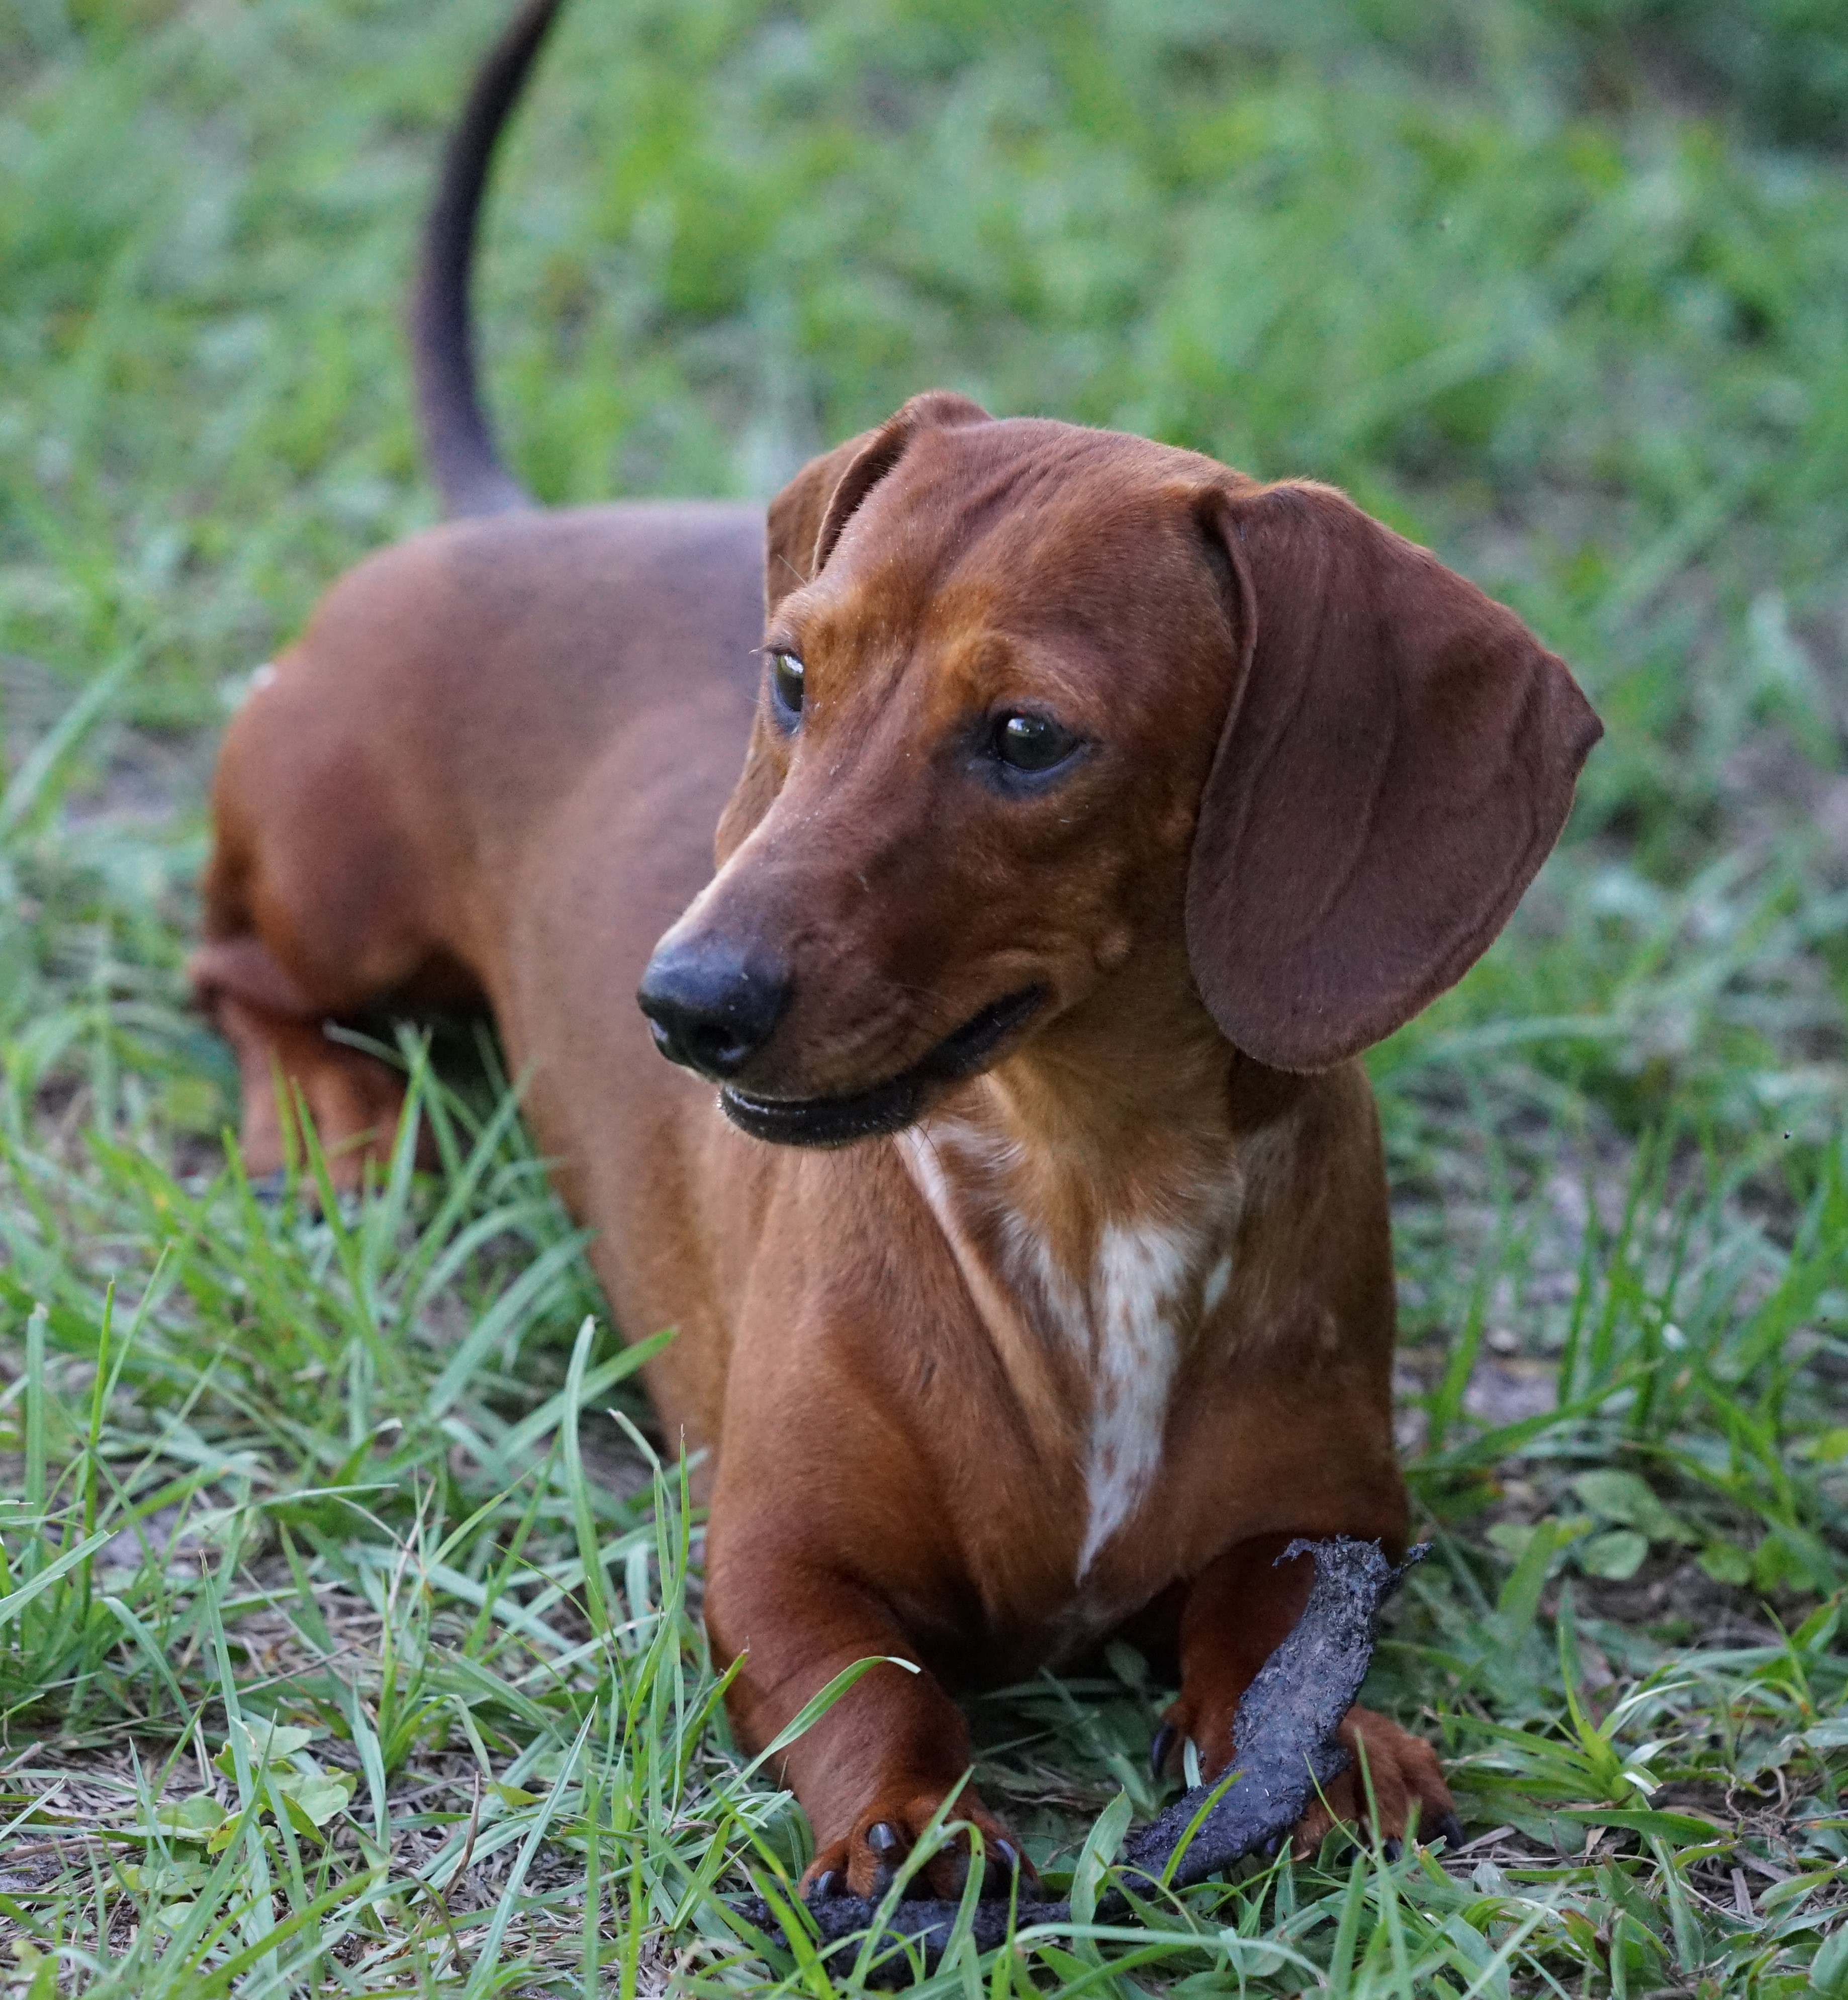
(884, 1841)
(865, 1863)
(1004, 1866)
(1160, 1744)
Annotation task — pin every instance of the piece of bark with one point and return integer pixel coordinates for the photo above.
(1284, 1729)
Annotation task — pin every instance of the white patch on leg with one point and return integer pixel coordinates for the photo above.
(1136, 1284)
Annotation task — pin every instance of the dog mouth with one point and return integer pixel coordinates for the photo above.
(891, 1105)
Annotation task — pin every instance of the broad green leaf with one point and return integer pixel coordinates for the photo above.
(1617, 1555)
(191, 1819)
(1631, 1502)
(320, 1796)
(264, 1744)
(1725, 1562)
(1828, 1969)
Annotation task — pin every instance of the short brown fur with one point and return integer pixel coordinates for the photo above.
(1130, 1265)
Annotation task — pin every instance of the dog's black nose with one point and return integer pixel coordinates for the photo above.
(712, 1006)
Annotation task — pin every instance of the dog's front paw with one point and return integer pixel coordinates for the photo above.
(1408, 1790)
(864, 1862)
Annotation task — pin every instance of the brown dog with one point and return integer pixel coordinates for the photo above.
(1099, 806)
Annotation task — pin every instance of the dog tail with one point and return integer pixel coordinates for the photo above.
(458, 440)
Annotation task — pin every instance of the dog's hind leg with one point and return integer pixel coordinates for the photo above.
(314, 916)
(287, 1063)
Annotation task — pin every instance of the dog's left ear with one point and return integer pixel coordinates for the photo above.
(1397, 759)
(790, 532)
(807, 517)
(794, 525)
(805, 522)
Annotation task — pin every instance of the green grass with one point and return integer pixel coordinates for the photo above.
(346, 1636)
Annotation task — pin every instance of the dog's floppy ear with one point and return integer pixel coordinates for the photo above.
(805, 522)
(936, 410)
(1398, 758)
(806, 518)
(795, 520)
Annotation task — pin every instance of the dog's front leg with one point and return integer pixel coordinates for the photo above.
(1238, 1611)
(874, 1770)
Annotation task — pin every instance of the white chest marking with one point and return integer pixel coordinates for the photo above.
(1135, 1292)
(1122, 1319)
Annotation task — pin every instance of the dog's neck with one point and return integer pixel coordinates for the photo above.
(1090, 1189)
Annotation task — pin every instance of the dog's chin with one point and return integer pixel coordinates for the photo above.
(827, 1121)
(890, 1107)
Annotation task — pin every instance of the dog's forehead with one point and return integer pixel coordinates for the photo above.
(1006, 498)
(1015, 525)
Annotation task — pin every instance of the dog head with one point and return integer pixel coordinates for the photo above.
(1040, 704)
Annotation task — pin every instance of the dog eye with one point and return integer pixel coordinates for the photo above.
(1028, 742)
(786, 677)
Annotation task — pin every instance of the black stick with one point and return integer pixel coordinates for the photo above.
(1284, 1729)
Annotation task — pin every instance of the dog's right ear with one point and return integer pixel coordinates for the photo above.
(807, 517)
(1398, 758)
